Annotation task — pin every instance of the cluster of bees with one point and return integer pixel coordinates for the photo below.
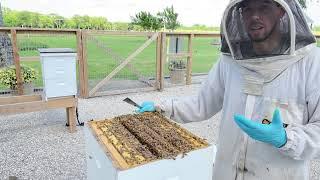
(146, 137)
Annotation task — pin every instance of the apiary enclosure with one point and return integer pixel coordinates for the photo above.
(144, 147)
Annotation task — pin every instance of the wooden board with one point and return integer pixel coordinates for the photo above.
(189, 60)
(19, 99)
(17, 61)
(163, 59)
(120, 33)
(116, 157)
(37, 105)
(125, 91)
(158, 62)
(31, 103)
(82, 63)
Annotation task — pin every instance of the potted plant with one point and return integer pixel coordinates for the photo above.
(177, 70)
(8, 78)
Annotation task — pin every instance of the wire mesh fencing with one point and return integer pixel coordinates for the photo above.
(206, 51)
(203, 51)
(28, 43)
(6, 60)
(106, 53)
(116, 62)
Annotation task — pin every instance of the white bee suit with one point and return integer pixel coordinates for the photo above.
(244, 84)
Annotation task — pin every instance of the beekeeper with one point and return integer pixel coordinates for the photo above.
(267, 84)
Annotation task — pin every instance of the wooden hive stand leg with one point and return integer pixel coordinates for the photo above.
(71, 117)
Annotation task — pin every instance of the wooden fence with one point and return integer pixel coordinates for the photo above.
(81, 45)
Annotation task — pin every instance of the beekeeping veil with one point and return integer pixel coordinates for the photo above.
(295, 42)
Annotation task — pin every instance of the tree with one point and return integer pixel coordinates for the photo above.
(57, 20)
(141, 21)
(34, 20)
(82, 22)
(170, 18)
(120, 26)
(70, 24)
(98, 22)
(10, 17)
(46, 21)
(147, 21)
(156, 23)
(133, 27)
(24, 19)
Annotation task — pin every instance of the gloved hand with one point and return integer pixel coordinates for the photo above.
(147, 106)
(273, 133)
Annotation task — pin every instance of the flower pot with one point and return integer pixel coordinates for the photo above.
(177, 76)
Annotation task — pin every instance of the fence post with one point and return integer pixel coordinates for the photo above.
(163, 58)
(82, 62)
(189, 60)
(158, 63)
(17, 61)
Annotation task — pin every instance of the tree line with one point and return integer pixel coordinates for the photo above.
(142, 21)
(13, 18)
(167, 19)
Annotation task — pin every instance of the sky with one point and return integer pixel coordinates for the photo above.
(207, 12)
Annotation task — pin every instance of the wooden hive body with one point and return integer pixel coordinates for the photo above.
(146, 147)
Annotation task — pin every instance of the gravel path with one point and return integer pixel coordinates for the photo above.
(38, 146)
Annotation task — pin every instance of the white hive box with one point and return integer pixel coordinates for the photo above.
(103, 165)
(58, 72)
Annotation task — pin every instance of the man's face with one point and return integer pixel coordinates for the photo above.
(261, 18)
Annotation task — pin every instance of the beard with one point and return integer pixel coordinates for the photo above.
(264, 36)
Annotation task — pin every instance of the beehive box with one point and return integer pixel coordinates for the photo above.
(146, 147)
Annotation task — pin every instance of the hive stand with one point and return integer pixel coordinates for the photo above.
(31, 103)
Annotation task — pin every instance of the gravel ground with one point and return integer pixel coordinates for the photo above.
(38, 146)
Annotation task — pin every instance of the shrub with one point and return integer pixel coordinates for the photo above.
(8, 76)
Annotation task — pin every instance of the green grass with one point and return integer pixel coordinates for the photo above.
(204, 54)
(100, 63)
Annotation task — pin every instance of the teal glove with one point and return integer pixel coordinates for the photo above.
(147, 106)
(273, 133)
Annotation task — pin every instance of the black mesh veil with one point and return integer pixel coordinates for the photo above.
(234, 35)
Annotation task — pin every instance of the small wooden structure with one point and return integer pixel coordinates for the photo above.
(31, 103)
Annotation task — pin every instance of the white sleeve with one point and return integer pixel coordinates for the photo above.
(303, 141)
(203, 106)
